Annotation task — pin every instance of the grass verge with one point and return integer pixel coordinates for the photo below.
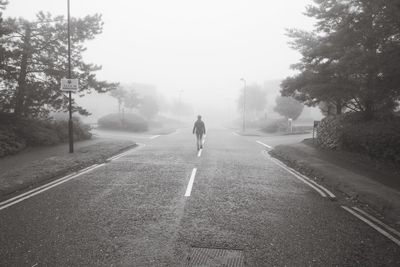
(16, 178)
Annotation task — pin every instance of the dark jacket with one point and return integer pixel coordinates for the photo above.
(199, 127)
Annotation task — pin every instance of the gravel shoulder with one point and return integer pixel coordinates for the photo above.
(33, 168)
(359, 178)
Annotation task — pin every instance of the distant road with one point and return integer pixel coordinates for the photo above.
(153, 205)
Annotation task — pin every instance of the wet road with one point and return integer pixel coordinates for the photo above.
(133, 211)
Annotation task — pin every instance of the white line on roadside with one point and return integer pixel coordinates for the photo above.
(190, 184)
(376, 227)
(372, 218)
(36, 191)
(302, 177)
(115, 157)
(199, 153)
(154, 136)
(267, 146)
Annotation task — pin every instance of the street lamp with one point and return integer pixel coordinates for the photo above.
(244, 104)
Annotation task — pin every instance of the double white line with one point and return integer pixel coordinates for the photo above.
(324, 192)
(12, 201)
(379, 226)
(41, 189)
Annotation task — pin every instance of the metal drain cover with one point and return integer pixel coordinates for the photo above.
(213, 257)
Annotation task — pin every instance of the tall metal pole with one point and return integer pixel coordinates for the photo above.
(244, 105)
(70, 123)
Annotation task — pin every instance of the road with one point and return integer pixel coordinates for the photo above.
(139, 210)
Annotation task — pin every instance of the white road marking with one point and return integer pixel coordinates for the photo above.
(235, 133)
(154, 136)
(372, 218)
(376, 227)
(317, 187)
(190, 184)
(267, 146)
(126, 152)
(43, 188)
(199, 153)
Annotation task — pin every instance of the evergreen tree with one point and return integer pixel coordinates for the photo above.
(351, 58)
(38, 60)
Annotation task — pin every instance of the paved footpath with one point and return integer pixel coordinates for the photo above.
(164, 204)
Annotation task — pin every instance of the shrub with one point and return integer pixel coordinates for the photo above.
(10, 142)
(280, 125)
(129, 121)
(15, 136)
(379, 138)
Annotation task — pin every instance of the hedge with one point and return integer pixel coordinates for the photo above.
(128, 121)
(16, 136)
(379, 138)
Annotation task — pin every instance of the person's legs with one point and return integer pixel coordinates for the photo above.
(199, 141)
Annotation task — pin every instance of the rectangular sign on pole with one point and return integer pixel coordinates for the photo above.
(69, 85)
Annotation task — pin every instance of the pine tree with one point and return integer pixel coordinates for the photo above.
(37, 62)
(351, 57)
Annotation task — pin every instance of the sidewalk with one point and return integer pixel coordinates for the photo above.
(355, 176)
(36, 166)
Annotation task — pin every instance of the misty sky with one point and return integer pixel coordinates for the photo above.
(201, 47)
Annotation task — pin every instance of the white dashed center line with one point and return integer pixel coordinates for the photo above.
(190, 185)
(199, 153)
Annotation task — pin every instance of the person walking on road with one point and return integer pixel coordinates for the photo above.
(200, 129)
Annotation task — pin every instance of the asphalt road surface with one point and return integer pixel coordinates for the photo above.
(151, 206)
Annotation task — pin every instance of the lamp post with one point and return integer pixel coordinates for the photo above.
(244, 104)
(70, 123)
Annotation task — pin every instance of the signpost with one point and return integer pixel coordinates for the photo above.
(69, 85)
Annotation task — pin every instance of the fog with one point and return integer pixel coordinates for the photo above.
(195, 52)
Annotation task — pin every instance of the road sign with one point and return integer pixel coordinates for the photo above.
(69, 85)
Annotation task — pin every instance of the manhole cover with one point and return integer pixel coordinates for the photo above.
(213, 257)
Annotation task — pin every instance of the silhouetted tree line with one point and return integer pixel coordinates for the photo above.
(351, 59)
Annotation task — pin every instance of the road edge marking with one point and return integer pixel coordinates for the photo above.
(199, 153)
(36, 191)
(371, 224)
(190, 184)
(154, 136)
(267, 146)
(302, 177)
(372, 218)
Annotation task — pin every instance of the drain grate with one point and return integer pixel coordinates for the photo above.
(214, 257)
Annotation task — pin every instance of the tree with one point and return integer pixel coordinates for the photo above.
(119, 93)
(37, 61)
(288, 107)
(351, 58)
(132, 100)
(148, 107)
(3, 31)
(256, 100)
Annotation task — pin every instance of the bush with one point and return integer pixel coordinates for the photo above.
(15, 136)
(10, 142)
(129, 121)
(280, 125)
(379, 139)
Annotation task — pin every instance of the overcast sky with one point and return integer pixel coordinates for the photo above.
(201, 47)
